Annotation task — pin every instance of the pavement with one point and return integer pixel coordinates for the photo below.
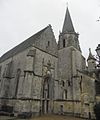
(46, 117)
(57, 117)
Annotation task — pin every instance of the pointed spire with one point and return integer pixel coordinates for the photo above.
(68, 25)
(90, 55)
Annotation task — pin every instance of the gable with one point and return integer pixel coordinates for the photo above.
(35, 39)
(47, 42)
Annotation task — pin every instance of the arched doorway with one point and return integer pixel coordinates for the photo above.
(46, 95)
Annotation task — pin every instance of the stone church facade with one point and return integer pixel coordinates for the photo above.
(43, 77)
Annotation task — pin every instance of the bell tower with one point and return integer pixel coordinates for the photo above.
(70, 58)
(68, 37)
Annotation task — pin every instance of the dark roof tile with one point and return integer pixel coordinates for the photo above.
(68, 25)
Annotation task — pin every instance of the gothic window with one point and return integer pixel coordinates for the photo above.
(47, 45)
(17, 80)
(80, 84)
(63, 83)
(64, 42)
(66, 94)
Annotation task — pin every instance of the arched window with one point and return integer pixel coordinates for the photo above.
(64, 42)
(63, 83)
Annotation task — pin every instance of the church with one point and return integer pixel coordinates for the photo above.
(41, 76)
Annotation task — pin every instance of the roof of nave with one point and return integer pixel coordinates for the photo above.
(22, 46)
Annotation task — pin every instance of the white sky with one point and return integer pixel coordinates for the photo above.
(19, 19)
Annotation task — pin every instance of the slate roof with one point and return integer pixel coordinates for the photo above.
(68, 25)
(25, 44)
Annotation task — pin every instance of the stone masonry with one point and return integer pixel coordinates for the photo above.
(40, 76)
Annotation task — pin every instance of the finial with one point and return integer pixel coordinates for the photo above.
(89, 50)
(49, 25)
(90, 55)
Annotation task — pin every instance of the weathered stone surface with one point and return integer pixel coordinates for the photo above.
(41, 76)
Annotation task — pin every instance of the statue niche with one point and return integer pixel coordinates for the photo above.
(47, 82)
(47, 79)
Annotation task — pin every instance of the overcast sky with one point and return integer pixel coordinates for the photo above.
(19, 19)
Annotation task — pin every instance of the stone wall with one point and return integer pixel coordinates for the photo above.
(67, 107)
